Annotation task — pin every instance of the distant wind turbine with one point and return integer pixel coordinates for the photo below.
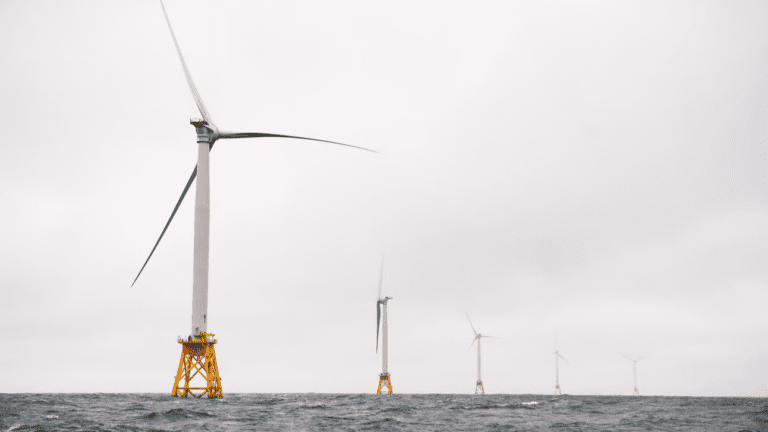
(557, 369)
(198, 356)
(384, 378)
(634, 370)
(479, 385)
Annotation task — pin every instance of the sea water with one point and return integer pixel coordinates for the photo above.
(406, 412)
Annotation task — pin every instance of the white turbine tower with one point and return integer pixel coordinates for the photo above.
(634, 371)
(557, 370)
(384, 378)
(198, 356)
(479, 385)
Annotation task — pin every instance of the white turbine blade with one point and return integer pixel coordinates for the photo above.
(173, 213)
(230, 135)
(627, 357)
(473, 327)
(470, 345)
(558, 354)
(192, 88)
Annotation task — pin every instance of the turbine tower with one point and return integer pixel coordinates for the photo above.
(198, 355)
(479, 385)
(634, 372)
(384, 376)
(557, 370)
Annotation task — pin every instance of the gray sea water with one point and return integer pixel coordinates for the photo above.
(332, 412)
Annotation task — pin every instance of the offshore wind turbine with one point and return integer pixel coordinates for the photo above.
(198, 355)
(479, 385)
(634, 371)
(384, 378)
(557, 370)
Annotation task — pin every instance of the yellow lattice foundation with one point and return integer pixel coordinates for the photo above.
(384, 379)
(198, 357)
(479, 388)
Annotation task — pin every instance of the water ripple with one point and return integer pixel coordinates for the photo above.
(333, 412)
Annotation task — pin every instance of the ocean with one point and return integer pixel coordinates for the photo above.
(399, 412)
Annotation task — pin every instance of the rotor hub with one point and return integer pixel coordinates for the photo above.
(206, 133)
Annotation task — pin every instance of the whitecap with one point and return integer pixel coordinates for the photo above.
(530, 403)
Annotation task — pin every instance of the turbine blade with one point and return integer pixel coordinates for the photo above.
(178, 203)
(192, 88)
(627, 357)
(269, 135)
(173, 213)
(378, 319)
(473, 327)
(470, 345)
(558, 354)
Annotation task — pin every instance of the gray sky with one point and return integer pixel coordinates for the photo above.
(591, 171)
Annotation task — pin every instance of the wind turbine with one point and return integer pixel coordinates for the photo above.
(384, 377)
(557, 370)
(478, 336)
(634, 370)
(198, 355)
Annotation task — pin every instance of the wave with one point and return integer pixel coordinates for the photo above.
(521, 405)
(577, 424)
(177, 413)
(313, 407)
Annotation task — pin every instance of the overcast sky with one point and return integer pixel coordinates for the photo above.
(591, 172)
